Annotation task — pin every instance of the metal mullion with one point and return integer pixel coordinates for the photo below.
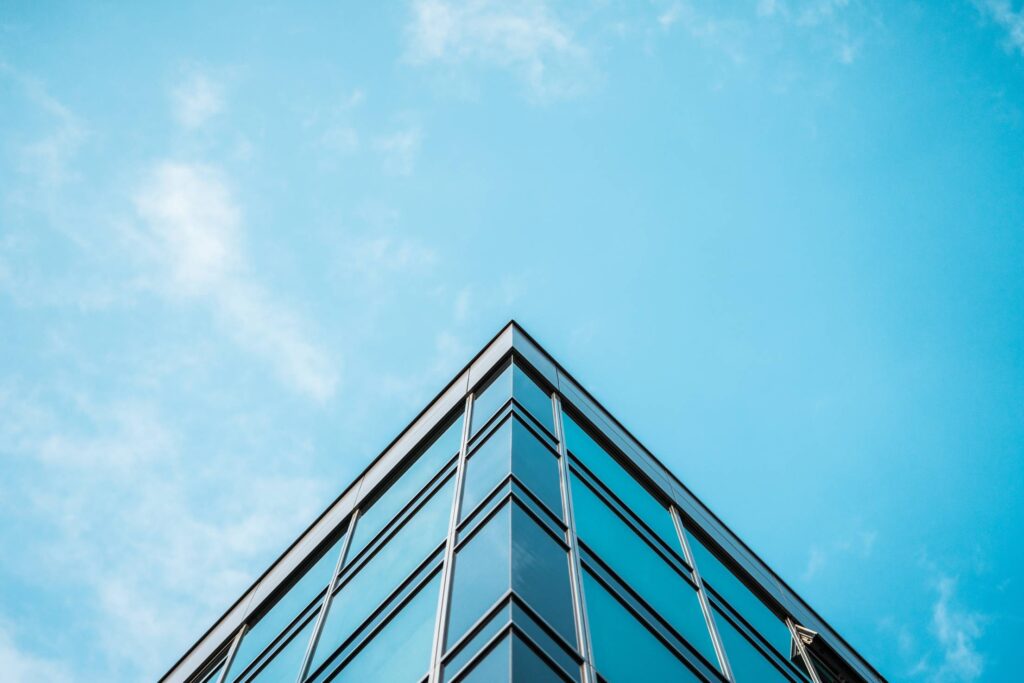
(314, 638)
(579, 604)
(228, 659)
(705, 605)
(441, 619)
(806, 658)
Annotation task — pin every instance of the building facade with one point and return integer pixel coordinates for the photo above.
(516, 532)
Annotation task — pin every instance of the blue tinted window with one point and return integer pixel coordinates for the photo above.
(284, 611)
(624, 650)
(490, 399)
(640, 567)
(406, 487)
(486, 466)
(747, 663)
(536, 466)
(481, 574)
(543, 639)
(540, 573)
(742, 599)
(473, 644)
(528, 667)
(621, 482)
(493, 667)
(287, 661)
(400, 652)
(381, 575)
(533, 398)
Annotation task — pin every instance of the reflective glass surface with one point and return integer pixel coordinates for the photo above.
(615, 477)
(383, 510)
(400, 652)
(284, 667)
(624, 650)
(748, 664)
(542, 638)
(212, 676)
(473, 644)
(528, 667)
(382, 574)
(481, 573)
(490, 399)
(494, 667)
(540, 573)
(640, 567)
(739, 597)
(485, 467)
(533, 398)
(287, 607)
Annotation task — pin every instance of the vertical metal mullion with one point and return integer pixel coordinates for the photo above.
(228, 660)
(579, 604)
(808, 664)
(322, 615)
(702, 596)
(441, 619)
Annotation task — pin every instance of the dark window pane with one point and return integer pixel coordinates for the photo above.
(486, 466)
(543, 639)
(640, 567)
(621, 482)
(494, 667)
(536, 466)
(284, 611)
(624, 650)
(533, 398)
(490, 399)
(381, 575)
(739, 597)
(481, 574)
(472, 645)
(748, 664)
(284, 667)
(540, 573)
(405, 488)
(400, 653)
(528, 667)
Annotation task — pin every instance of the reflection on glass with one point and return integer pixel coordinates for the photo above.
(624, 650)
(490, 399)
(640, 567)
(540, 573)
(621, 482)
(472, 645)
(512, 448)
(748, 665)
(533, 398)
(381, 575)
(493, 668)
(405, 488)
(528, 667)
(400, 653)
(284, 667)
(284, 611)
(739, 597)
(541, 637)
(481, 574)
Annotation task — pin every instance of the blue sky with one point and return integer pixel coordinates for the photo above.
(242, 244)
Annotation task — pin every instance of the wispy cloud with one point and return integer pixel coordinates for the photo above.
(399, 149)
(859, 544)
(21, 666)
(191, 229)
(525, 38)
(958, 632)
(197, 99)
(1009, 19)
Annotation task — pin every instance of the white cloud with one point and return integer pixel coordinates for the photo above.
(524, 37)
(192, 231)
(399, 149)
(196, 100)
(859, 544)
(958, 632)
(1011, 21)
(20, 666)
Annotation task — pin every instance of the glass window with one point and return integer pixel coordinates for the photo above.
(400, 653)
(405, 488)
(528, 667)
(536, 401)
(615, 477)
(624, 650)
(284, 611)
(382, 573)
(544, 640)
(540, 573)
(490, 399)
(742, 599)
(481, 574)
(747, 663)
(284, 666)
(472, 645)
(512, 448)
(214, 673)
(641, 567)
(493, 668)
